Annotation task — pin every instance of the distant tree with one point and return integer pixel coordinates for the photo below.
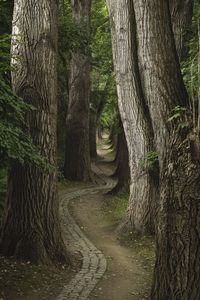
(96, 105)
(77, 153)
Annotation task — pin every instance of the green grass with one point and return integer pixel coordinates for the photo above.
(115, 207)
(114, 210)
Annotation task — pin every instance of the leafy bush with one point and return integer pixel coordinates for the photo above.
(15, 142)
(150, 161)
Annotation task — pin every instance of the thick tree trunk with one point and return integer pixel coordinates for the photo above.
(77, 153)
(31, 227)
(122, 172)
(177, 273)
(141, 212)
(181, 17)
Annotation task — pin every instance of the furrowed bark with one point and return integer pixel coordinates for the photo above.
(141, 212)
(177, 273)
(31, 228)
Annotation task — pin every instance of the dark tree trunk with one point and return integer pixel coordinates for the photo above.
(77, 153)
(31, 227)
(99, 132)
(141, 212)
(181, 17)
(177, 274)
(113, 137)
(122, 172)
(93, 132)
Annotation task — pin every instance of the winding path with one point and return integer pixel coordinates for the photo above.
(94, 263)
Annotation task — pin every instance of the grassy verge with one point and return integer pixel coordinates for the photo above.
(115, 207)
(114, 210)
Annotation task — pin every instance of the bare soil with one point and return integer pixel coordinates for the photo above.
(129, 271)
(24, 281)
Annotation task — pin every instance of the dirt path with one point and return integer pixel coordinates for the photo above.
(111, 269)
(127, 275)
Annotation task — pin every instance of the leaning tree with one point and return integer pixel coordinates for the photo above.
(31, 227)
(141, 212)
(177, 273)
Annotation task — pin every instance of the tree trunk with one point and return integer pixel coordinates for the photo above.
(113, 135)
(31, 227)
(93, 132)
(122, 172)
(177, 273)
(77, 152)
(99, 131)
(181, 17)
(141, 213)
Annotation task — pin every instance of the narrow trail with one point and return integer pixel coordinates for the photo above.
(94, 263)
(110, 270)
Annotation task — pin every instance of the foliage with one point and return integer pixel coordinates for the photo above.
(115, 207)
(190, 65)
(103, 82)
(101, 40)
(179, 114)
(72, 36)
(15, 143)
(6, 8)
(150, 161)
(98, 43)
(110, 114)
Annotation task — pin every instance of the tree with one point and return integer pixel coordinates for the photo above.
(96, 105)
(77, 153)
(31, 227)
(141, 212)
(177, 264)
(122, 172)
(181, 17)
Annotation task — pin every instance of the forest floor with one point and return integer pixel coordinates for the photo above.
(130, 258)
